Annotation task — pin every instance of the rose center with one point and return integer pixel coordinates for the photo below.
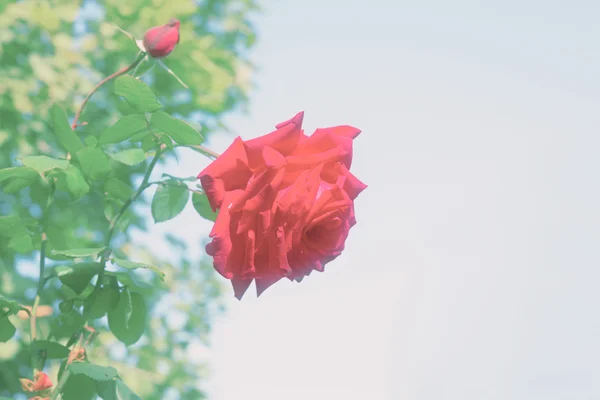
(325, 232)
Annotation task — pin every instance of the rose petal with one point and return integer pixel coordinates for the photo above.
(240, 286)
(228, 172)
(284, 140)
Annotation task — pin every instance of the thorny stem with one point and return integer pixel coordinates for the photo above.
(120, 72)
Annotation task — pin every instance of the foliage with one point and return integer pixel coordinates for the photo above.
(65, 194)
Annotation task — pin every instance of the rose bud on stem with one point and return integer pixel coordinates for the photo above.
(161, 40)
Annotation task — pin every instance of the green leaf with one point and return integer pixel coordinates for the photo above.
(21, 244)
(138, 137)
(91, 141)
(16, 185)
(124, 393)
(107, 390)
(166, 140)
(94, 163)
(11, 226)
(118, 189)
(17, 178)
(137, 94)
(135, 265)
(149, 143)
(95, 372)
(180, 131)
(66, 306)
(128, 306)
(76, 183)
(52, 349)
(42, 164)
(79, 386)
(101, 301)
(131, 281)
(130, 156)
(202, 206)
(77, 253)
(78, 276)
(66, 137)
(18, 172)
(66, 324)
(7, 329)
(169, 201)
(10, 307)
(123, 129)
(115, 390)
(128, 320)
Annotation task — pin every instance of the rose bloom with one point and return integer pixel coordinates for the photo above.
(286, 204)
(161, 40)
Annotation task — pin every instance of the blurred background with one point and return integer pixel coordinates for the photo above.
(473, 270)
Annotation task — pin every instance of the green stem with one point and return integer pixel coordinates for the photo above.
(40, 287)
(58, 389)
(203, 150)
(113, 223)
(41, 278)
(120, 72)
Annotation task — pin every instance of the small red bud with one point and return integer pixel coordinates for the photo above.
(161, 40)
(42, 382)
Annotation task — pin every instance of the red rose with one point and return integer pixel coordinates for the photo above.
(286, 204)
(161, 40)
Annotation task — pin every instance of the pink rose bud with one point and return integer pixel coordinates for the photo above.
(161, 40)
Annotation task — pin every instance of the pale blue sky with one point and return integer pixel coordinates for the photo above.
(473, 270)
